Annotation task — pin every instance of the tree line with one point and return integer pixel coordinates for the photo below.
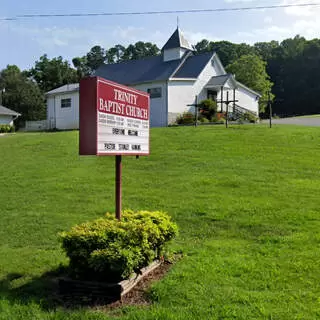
(290, 69)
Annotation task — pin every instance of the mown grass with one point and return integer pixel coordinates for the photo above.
(246, 199)
(310, 116)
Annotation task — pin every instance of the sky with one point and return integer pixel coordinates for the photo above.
(23, 41)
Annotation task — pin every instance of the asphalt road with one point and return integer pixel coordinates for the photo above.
(314, 122)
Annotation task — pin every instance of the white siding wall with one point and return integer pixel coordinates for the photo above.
(7, 120)
(63, 118)
(247, 100)
(173, 54)
(51, 112)
(182, 92)
(158, 106)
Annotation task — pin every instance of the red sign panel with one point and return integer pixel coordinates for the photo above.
(114, 119)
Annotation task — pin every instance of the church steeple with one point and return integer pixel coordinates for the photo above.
(176, 46)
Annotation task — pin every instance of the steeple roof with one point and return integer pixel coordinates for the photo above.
(177, 40)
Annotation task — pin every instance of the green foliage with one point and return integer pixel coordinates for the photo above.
(185, 118)
(204, 120)
(97, 55)
(251, 71)
(208, 108)
(22, 95)
(228, 52)
(52, 73)
(106, 249)
(249, 117)
(4, 128)
(217, 120)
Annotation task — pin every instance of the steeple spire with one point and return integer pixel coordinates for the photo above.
(177, 40)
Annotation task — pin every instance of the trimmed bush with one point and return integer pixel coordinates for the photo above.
(208, 108)
(248, 117)
(5, 128)
(108, 249)
(186, 118)
(204, 120)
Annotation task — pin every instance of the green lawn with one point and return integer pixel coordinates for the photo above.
(247, 201)
(310, 116)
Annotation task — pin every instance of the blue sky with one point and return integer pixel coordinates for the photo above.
(24, 41)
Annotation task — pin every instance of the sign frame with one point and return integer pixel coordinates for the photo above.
(91, 90)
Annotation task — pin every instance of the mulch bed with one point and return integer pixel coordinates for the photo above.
(137, 296)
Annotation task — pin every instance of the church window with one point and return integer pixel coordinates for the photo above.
(155, 92)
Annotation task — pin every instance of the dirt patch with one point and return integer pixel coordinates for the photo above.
(138, 296)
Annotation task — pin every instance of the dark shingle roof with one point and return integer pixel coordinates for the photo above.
(8, 112)
(193, 66)
(177, 40)
(64, 89)
(138, 71)
(219, 81)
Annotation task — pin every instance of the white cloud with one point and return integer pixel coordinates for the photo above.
(305, 11)
(195, 37)
(268, 19)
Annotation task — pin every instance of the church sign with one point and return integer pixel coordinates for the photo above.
(114, 119)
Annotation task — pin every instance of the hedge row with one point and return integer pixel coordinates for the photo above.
(4, 128)
(111, 250)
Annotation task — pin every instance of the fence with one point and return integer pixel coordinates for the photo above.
(37, 125)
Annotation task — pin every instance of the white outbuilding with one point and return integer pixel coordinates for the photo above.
(7, 116)
(174, 79)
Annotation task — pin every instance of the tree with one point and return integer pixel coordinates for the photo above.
(51, 74)
(81, 64)
(22, 94)
(266, 49)
(115, 54)
(96, 57)
(140, 50)
(89, 63)
(228, 52)
(251, 71)
(202, 46)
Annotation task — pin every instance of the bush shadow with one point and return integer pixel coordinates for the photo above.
(45, 292)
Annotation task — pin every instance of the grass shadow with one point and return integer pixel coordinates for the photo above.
(45, 292)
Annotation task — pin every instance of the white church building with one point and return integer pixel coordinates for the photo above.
(174, 80)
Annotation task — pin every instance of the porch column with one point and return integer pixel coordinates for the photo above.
(222, 99)
(234, 100)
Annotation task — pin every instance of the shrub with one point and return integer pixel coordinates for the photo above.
(249, 117)
(218, 121)
(108, 249)
(5, 128)
(208, 108)
(185, 118)
(204, 120)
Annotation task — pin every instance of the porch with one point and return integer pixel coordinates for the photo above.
(220, 89)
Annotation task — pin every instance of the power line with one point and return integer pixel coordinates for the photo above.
(28, 16)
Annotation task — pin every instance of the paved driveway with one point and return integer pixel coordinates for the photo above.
(315, 122)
